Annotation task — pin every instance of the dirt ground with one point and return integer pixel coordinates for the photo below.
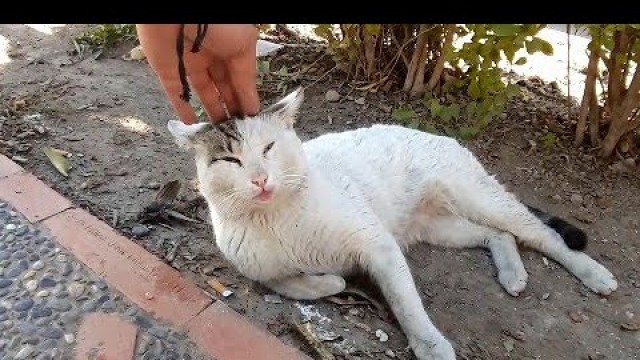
(111, 115)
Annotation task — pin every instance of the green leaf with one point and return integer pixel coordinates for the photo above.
(505, 29)
(372, 29)
(521, 61)
(468, 132)
(512, 90)
(403, 114)
(547, 48)
(474, 89)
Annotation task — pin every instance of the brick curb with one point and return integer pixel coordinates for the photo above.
(140, 276)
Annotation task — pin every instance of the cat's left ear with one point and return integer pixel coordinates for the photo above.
(184, 134)
(288, 107)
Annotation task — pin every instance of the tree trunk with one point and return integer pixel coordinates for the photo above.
(589, 90)
(437, 70)
(620, 122)
(415, 58)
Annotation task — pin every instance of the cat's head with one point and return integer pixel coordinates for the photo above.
(249, 164)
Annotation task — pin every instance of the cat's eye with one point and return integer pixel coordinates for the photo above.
(229, 159)
(267, 148)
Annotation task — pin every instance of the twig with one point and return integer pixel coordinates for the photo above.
(569, 72)
(307, 333)
(437, 70)
(321, 77)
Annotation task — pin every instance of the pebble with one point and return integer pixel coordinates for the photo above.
(61, 258)
(273, 299)
(382, 336)
(60, 305)
(545, 296)
(52, 333)
(38, 265)
(67, 269)
(576, 198)
(331, 96)
(42, 293)
(24, 352)
(76, 289)
(140, 230)
(29, 274)
(69, 338)
(5, 283)
(10, 227)
(390, 353)
(145, 341)
(23, 305)
(47, 282)
(39, 312)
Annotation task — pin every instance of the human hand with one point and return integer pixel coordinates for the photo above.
(223, 70)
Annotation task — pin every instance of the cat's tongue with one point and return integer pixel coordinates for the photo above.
(265, 196)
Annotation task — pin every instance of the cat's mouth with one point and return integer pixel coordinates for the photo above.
(264, 196)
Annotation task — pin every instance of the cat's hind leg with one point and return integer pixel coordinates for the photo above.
(489, 203)
(307, 287)
(458, 232)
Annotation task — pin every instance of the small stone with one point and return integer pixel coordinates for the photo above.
(545, 296)
(148, 296)
(109, 306)
(5, 283)
(52, 333)
(576, 198)
(61, 258)
(273, 299)
(101, 285)
(67, 269)
(390, 353)
(27, 329)
(42, 293)
(156, 349)
(3, 310)
(382, 336)
(145, 341)
(24, 352)
(47, 282)
(4, 255)
(158, 332)
(23, 305)
(76, 289)
(60, 305)
(19, 254)
(10, 227)
(69, 338)
(153, 185)
(359, 101)
(40, 311)
(29, 274)
(331, 96)
(32, 340)
(140, 230)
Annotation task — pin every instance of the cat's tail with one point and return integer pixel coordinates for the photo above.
(575, 238)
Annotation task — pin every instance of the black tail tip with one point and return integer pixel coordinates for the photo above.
(575, 238)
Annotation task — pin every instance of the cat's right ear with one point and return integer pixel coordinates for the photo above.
(184, 134)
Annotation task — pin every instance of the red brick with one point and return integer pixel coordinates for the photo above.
(32, 197)
(105, 337)
(128, 267)
(226, 335)
(8, 167)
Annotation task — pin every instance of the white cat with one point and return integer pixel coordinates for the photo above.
(298, 217)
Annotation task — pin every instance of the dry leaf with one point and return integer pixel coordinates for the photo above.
(59, 160)
(631, 325)
(168, 192)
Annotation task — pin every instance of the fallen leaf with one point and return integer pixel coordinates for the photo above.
(631, 325)
(168, 192)
(59, 160)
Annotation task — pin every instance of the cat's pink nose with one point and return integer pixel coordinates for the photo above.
(259, 180)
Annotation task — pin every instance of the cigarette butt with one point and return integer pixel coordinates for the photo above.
(220, 288)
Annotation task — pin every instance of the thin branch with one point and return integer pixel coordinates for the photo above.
(590, 82)
(437, 70)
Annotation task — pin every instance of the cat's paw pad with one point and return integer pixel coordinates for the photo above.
(513, 280)
(438, 350)
(597, 278)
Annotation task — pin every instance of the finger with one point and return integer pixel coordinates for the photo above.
(173, 88)
(208, 92)
(221, 79)
(242, 80)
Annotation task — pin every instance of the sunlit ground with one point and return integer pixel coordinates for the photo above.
(45, 28)
(4, 50)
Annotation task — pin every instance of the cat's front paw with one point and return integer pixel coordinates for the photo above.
(440, 349)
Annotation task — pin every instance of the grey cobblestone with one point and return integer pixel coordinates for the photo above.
(44, 292)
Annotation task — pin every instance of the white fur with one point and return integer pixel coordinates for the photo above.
(356, 200)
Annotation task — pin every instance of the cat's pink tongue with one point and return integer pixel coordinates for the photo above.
(265, 195)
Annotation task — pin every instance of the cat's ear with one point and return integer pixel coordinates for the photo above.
(184, 134)
(286, 110)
